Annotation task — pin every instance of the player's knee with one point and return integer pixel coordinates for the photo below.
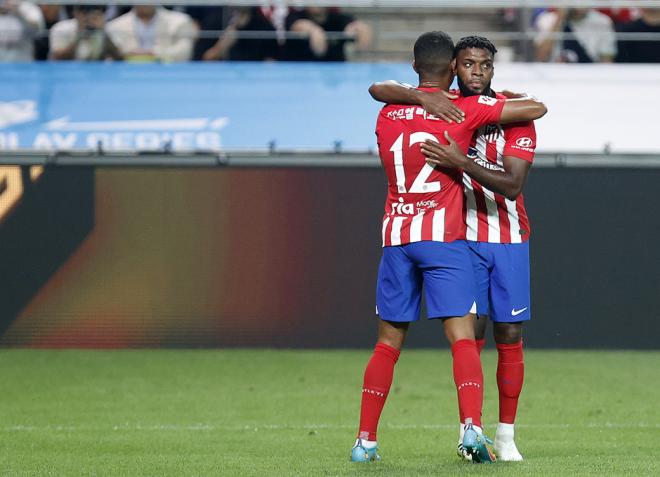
(392, 333)
(507, 333)
(480, 327)
(459, 328)
(396, 343)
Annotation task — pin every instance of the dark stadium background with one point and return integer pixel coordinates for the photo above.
(115, 258)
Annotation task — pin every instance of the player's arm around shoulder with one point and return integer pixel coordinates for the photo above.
(438, 103)
(521, 108)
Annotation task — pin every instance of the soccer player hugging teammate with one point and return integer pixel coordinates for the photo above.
(497, 229)
(423, 233)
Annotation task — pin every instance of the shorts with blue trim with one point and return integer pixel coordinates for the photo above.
(442, 270)
(502, 275)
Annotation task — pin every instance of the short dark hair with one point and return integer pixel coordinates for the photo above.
(433, 52)
(474, 41)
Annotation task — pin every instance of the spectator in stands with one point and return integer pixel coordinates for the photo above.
(206, 19)
(151, 33)
(83, 37)
(639, 51)
(590, 36)
(51, 14)
(20, 24)
(231, 47)
(276, 13)
(621, 15)
(315, 22)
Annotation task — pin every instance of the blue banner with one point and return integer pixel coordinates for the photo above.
(190, 107)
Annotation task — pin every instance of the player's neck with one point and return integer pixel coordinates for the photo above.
(444, 85)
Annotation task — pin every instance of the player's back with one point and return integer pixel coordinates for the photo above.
(423, 202)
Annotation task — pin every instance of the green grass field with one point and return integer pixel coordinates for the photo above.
(263, 413)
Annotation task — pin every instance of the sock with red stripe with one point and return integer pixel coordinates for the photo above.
(469, 380)
(377, 381)
(510, 375)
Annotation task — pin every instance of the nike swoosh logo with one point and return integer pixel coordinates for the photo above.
(515, 312)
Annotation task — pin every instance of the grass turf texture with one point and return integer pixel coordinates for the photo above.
(262, 413)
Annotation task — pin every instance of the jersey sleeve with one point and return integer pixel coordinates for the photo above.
(520, 141)
(481, 110)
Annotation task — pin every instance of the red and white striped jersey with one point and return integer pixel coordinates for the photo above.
(491, 217)
(425, 203)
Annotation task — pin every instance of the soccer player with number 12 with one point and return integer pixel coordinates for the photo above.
(494, 174)
(424, 243)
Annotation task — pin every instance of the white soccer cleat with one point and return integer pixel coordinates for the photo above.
(505, 445)
(507, 451)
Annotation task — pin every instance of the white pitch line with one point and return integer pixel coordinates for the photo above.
(308, 427)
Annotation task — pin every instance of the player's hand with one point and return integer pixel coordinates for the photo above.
(449, 156)
(439, 104)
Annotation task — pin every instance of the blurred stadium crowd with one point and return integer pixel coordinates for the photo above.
(29, 31)
(150, 33)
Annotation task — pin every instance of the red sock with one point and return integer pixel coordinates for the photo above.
(480, 344)
(377, 382)
(469, 380)
(510, 374)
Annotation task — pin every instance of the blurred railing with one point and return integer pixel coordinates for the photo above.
(385, 3)
(409, 35)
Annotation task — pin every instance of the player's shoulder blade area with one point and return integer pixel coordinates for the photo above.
(403, 112)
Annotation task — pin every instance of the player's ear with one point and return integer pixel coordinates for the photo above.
(453, 66)
(414, 67)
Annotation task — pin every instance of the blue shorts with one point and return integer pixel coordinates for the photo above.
(445, 272)
(502, 274)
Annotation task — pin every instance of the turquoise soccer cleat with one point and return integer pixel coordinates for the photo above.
(462, 453)
(475, 445)
(359, 453)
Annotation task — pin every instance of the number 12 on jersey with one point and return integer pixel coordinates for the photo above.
(419, 185)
